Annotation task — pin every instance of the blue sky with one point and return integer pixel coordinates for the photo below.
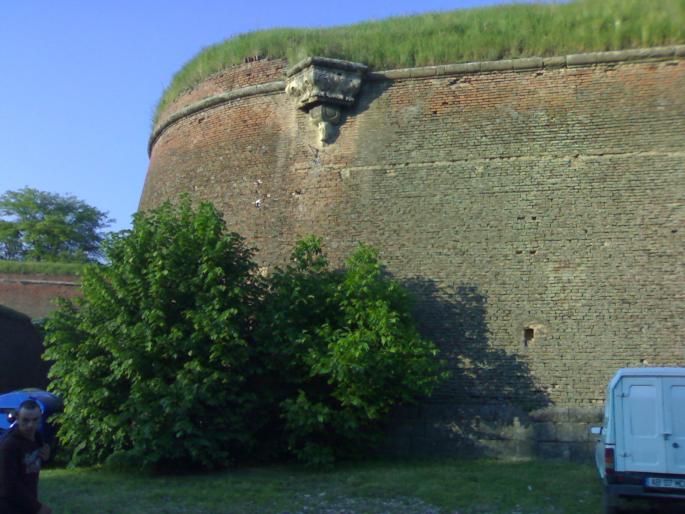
(79, 80)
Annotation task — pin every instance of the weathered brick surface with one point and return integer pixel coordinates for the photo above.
(548, 199)
(34, 294)
(234, 77)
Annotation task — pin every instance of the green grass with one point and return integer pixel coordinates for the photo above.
(50, 268)
(500, 32)
(464, 486)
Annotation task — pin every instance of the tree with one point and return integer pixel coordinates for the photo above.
(49, 227)
(152, 362)
(345, 348)
(180, 353)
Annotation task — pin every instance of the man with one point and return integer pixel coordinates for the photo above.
(21, 453)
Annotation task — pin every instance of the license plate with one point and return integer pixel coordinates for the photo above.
(665, 483)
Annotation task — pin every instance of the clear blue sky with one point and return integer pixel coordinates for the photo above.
(79, 80)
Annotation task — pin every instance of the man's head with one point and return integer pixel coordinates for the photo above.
(28, 418)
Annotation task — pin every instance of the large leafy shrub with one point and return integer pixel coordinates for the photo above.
(345, 349)
(180, 354)
(153, 361)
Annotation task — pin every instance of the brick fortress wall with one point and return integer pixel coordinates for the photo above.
(535, 208)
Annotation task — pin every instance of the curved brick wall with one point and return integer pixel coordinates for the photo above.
(534, 206)
(235, 77)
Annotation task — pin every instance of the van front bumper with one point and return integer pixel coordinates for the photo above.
(640, 491)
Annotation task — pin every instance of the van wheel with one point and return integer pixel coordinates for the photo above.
(610, 503)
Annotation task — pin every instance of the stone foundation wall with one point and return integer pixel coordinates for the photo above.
(497, 431)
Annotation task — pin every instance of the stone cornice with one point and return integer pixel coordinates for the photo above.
(328, 63)
(535, 63)
(524, 64)
(39, 282)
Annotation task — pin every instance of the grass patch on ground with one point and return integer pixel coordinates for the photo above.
(490, 33)
(464, 486)
(49, 268)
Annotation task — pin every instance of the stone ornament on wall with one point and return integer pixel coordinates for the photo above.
(322, 87)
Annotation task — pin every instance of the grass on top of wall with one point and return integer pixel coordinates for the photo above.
(48, 268)
(481, 34)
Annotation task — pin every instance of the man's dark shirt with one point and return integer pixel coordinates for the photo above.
(19, 468)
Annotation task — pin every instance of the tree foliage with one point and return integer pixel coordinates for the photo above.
(180, 353)
(43, 226)
(346, 349)
(152, 364)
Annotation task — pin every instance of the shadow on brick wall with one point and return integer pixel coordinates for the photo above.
(483, 408)
(21, 347)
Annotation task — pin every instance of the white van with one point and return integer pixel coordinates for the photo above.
(641, 452)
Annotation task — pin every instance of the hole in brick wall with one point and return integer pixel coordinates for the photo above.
(533, 217)
(434, 112)
(528, 335)
(520, 217)
(519, 252)
(644, 362)
(674, 231)
(200, 120)
(533, 252)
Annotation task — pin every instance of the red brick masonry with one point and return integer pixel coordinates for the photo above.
(34, 294)
(535, 206)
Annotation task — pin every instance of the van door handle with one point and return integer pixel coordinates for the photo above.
(667, 435)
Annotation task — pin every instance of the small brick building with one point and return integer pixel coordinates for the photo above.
(23, 297)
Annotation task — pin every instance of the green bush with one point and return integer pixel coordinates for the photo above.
(345, 347)
(179, 354)
(152, 362)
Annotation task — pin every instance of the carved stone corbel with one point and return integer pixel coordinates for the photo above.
(322, 87)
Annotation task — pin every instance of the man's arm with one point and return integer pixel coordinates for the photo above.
(44, 452)
(10, 470)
